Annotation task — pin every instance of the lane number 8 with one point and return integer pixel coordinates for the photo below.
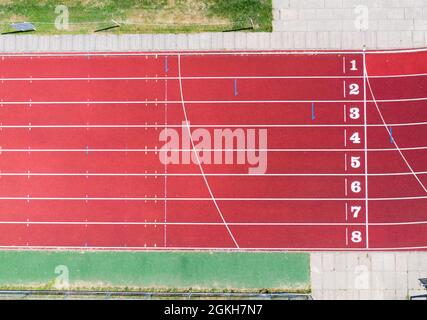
(356, 236)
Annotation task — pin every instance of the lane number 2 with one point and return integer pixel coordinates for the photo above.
(354, 89)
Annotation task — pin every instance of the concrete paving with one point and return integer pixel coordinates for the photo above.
(375, 275)
(298, 24)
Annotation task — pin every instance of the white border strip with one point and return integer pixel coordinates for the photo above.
(207, 248)
(210, 52)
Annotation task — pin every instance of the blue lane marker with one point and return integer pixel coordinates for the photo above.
(391, 135)
(166, 64)
(87, 150)
(236, 93)
(313, 114)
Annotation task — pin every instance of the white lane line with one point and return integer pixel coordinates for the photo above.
(365, 110)
(176, 102)
(291, 77)
(249, 224)
(397, 51)
(197, 155)
(159, 174)
(214, 249)
(210, 150)
(160, 126)
(166, 166)
(234, 199)
(265, 77)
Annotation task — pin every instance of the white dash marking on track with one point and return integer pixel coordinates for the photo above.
(166, 166)
(345, 138)
(345, 162)
(346, 236)
(343, 65)
(345, 113)
(345, 89)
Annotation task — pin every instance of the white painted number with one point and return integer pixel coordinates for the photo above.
(353, 65)
(355, 211)
(356, 187)
(355, 162)
(355, 138)
(356, 236)
(354, 89)
(354, 113)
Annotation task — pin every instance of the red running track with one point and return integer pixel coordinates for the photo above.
(344, 163)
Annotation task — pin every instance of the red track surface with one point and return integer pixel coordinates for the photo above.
(80, 167)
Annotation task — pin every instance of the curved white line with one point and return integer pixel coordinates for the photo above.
(388, 131)
(197, 154)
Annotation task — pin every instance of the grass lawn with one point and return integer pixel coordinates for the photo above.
(137, 16)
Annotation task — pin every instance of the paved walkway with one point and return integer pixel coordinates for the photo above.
(298, 24)
(345, 24)
(373, 275)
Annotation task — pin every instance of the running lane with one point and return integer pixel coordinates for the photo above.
(294, 151)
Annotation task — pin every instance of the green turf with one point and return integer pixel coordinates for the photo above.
(140, 16)
(157, 271)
